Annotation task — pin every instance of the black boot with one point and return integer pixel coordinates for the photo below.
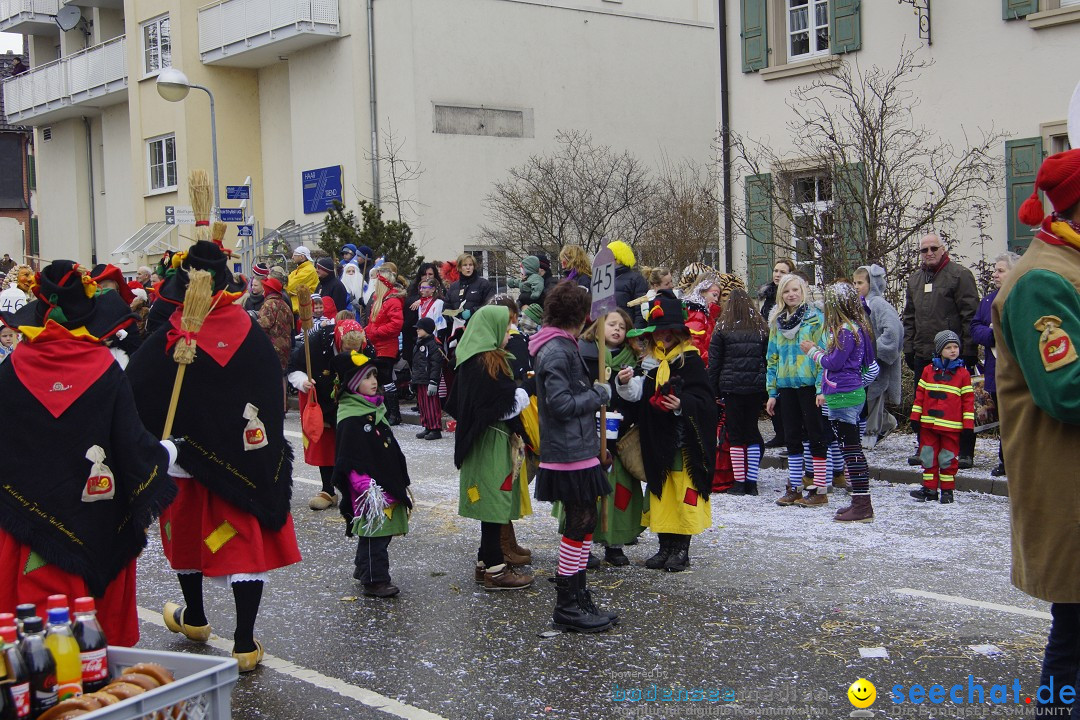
(568, 614)
(738, 488)
(616, 557)
(751, 487)
(946, 497)
(586, 602)
(923, 494)
(656, 562)
(393, 411)
(433, 435)
(422, 434)
(679, 559)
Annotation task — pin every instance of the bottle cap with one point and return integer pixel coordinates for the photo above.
(56, 601)
(59, 616)
(32, 624)
(8, 633)
(84, 604)
(25, 610)
(7, 619)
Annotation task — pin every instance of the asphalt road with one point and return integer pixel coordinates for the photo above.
(773, 619)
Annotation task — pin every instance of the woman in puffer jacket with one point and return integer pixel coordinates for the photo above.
(737, 376)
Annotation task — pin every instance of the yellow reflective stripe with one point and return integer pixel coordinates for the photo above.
(916, 408)
(966, 389)
(946, 388)
(947, 424)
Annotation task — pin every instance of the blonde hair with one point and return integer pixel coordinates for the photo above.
(655, 275)
(781, 307)
(466, 257)
(595, 330)
(844, 309)
(575, 258)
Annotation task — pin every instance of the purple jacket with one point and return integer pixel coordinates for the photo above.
(983, 334)
(843, 364)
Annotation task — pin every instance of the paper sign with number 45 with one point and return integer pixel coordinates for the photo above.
(603, 283)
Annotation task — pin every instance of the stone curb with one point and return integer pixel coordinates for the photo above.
(989, 486)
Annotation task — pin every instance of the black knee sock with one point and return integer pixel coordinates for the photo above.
(191, 585)
(326, 472)
(248, 595)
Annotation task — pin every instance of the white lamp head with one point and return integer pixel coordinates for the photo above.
(172, 84)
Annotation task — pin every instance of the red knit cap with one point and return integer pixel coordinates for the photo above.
(1059, 178)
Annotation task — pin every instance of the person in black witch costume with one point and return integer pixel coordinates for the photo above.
(677, 417)
(74, 513)
(231, 520)
(370, 471)
(125, 341)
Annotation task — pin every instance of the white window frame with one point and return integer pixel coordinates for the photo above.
(492, 263)
(163, 61)
(811, 29)
(817, 209)
(1066, 3)
(164, 141)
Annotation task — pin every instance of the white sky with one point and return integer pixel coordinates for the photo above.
(10, 41)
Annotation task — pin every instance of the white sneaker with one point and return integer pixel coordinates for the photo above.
(321, 501)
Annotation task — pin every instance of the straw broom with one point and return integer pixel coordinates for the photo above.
(217, 235)
(199, 191)
(198, 302)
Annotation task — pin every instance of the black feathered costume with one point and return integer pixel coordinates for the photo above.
(70, 524)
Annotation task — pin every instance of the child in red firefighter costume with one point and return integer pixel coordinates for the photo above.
(83, 478)
(231, 520)
(944, 405)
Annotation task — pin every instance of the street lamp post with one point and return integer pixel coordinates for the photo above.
(173, 85)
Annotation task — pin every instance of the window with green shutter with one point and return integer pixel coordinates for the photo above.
(35, 241)
(850, 218)
(1016, 9)
(31, 172)
(755, 37)
(845, 26)
(759, 229)
(1022, 160)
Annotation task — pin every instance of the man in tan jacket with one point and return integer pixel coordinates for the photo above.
(1036, 321)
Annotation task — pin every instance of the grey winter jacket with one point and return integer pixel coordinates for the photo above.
(566, 403)
(888, 337)
(949, 305)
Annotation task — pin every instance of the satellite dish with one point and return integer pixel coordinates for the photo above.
(68, 17)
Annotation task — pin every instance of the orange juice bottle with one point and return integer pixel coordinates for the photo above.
(65, 651)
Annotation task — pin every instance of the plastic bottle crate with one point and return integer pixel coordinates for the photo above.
(202, 689)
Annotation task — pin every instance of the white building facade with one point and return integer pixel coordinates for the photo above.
(468, 89)
(1009, 66)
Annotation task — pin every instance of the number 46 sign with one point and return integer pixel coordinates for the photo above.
(603, 283)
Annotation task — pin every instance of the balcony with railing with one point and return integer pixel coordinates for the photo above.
(29, 17)
(71, 86)
(257, 33)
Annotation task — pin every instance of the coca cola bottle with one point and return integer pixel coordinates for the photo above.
(40, 666)
(93, 647)
(16, 684)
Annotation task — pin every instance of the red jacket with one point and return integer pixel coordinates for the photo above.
(944, 400)
(383, 331)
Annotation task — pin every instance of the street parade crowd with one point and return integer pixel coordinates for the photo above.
(164, 398)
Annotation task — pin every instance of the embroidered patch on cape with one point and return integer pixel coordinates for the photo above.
(1055, 346)
(33, 562)
(622, 497)
(217, 539)
(691, 497)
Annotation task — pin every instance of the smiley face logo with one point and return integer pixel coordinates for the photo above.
(862, 693)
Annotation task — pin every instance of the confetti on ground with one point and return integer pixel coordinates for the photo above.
(874, 652)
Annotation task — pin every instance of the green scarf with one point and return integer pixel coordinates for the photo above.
(625, 356)
(351, 405)
(485, 332)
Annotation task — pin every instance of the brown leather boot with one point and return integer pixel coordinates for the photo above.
(509, 554)
(505, 577)
(478, 573)
(813, 499)
(514, 544)
(860, 510)
(839, 479)
(793, 494)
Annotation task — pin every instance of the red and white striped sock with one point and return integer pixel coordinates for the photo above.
(820, 474)
(583, 558)
(738, 462)
(569, 556)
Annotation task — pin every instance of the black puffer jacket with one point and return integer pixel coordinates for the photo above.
(737, 362)
(630, 285)
(566, 403)
(469, 293)
(427, 361)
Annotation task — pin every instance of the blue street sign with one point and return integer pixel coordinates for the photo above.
(233, 215)
(236, 267)
(321, 188)
(245, 231)
(238, 192)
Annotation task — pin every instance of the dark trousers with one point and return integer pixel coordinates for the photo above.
(373, 560)
(490, 552)
(778, 421)
(1061, 663)
(802, 420)
(385, 367)
(967, 437)
(740, 416)
(1001, 455)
